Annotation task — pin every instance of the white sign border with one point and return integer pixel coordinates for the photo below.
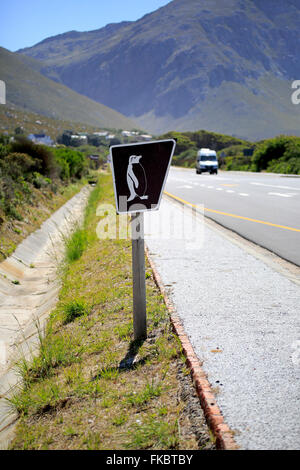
(165, 179)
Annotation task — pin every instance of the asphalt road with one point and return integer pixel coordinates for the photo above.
(262, 208)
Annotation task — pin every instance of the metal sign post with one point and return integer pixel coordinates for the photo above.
(139, 174)
(138, 274)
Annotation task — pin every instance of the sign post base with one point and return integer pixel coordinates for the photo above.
(138, 274)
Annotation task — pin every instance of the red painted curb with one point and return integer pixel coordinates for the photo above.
(213, 415)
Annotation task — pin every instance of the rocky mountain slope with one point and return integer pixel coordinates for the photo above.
(32, 91)
(223, 65)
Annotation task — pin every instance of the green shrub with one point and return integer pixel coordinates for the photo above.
(39, 181)
(16, 164)
(237, 163)
(14, 189)
(281, 154)
(42, 155)
(186, 158)
(292, 166)
(72, 163)
(4, 150)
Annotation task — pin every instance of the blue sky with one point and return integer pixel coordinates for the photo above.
(26, 22)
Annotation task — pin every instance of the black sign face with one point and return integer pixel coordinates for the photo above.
(139, 173)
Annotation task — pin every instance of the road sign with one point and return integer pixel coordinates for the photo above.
(139, 173)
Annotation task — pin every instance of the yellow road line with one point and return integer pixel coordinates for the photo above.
(233, 215)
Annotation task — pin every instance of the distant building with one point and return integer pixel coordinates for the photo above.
(100, 134)
(82, 137)
(146, 137)
(126, 133)
(129, 133)
(40, 139)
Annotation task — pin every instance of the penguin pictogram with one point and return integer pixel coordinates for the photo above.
(136, 178)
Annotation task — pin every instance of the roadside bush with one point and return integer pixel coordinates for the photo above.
(24, 165)
(237, 163)
(292, 166)
(72, 163)
(4, 139)
(16, 164)
(42, 155)
(39, 181)
(4, 150)
(14, 189)
(186, 158)
(279, 155)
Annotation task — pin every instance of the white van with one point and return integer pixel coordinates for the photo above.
(207, 161)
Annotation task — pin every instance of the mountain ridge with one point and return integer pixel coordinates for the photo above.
(171, 64)
(30, 90)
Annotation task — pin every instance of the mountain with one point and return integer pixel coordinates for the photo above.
(222, 65)
(27, 88)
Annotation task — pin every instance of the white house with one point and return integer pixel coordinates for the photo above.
(146, 137)
(100, 134)
(40, 139)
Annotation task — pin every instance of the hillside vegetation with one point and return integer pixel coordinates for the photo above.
(278, 155)
(12, 117)
(34, 181)
(24, 165)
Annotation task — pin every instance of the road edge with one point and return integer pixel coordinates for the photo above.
(214, 418)
(274, 261)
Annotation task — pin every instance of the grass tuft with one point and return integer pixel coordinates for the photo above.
(149, 392)
(74, 309)
(154, 433)
(75, 245)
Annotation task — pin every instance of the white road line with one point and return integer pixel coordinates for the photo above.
(243, 194)
(210, 187)
(276, 186)
(185, 186)
(280, 194)
(229, 191)
(219, 189)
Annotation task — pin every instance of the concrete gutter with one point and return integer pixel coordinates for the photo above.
(28, 292)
